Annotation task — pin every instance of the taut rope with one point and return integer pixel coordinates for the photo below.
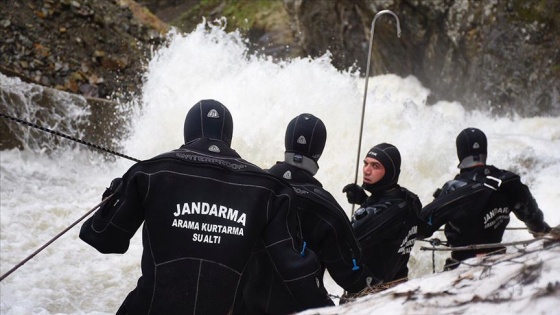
(56, 133)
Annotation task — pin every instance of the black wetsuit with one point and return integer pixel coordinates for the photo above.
(386, 226)
(326, 230)
(485, 219)
(202, 215)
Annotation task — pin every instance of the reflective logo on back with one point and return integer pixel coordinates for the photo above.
(213, 114)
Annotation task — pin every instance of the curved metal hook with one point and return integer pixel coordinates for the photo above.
(371, 38)
(367, 78)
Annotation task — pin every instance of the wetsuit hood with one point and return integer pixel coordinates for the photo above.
(304, 141)
(208, 119)
(471, 148)
(389, 156)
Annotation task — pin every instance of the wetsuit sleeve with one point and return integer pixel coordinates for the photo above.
(524, 206)
(111, 227)
(425, 230)
(426, 224)
(341, 254)
(297, 266)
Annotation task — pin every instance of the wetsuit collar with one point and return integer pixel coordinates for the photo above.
(208, 145)
(472, 160)
(302, 162)
(391, 191)
(294, 174)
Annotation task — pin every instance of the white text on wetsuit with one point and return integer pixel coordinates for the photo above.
(204, 208)
(211, 209)
(408, 241)
(495, 217)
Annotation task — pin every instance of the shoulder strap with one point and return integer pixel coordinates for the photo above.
(456, 202)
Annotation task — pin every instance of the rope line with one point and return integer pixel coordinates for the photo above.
(56, 133)
(483, 246)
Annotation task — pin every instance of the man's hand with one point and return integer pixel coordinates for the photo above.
(115, 183)
(355, 194)
(545, 230)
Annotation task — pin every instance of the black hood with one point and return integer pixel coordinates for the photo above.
(305, 140)
(472, 148)
(208, 119)
(389, 156)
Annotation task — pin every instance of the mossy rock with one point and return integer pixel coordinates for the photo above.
(242, 15)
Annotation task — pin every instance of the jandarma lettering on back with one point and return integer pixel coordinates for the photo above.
(205, 208)
(206, 159)
(490, 215)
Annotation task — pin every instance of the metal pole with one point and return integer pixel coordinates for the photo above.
(366, 86)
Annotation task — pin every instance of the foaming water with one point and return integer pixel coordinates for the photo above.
(40, 194)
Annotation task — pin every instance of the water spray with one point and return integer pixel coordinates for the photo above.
(56, 133)
(16, 267)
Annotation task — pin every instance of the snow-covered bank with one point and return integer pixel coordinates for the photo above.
(526, 281)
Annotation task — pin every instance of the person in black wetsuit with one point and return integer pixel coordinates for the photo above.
(324, 226)
(475, 206)
(203, 210)
(386, 222)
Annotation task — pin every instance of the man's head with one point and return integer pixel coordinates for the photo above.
(208, 119)
(305, 140)
(471, 148)
(382, 166)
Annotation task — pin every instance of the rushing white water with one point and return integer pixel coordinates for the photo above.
(41, 194)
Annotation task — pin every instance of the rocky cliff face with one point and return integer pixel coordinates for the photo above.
(499, 55)
(92, 48)
(95, 50)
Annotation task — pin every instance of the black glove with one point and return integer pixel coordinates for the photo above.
(115, 183)
(355, 194)
(546, 229)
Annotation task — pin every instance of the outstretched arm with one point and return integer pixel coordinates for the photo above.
(297, 266)
(110, 229)
(341, 252)
(525, 207)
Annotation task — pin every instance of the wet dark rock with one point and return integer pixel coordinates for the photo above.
(49, 105)
(501, 56)
(52, 43)
(5, 23)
